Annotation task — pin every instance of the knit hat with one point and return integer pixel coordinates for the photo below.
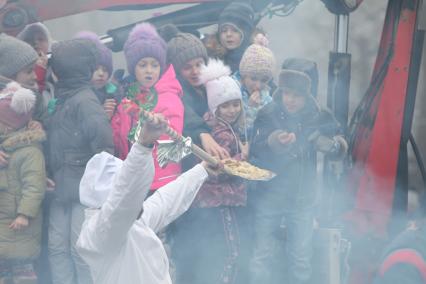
(309, 67)
(16, 105)
(27, 34)
(182, 47)
(144, 41)
(75, 58)
(294, 80)
(239, 15)
(15, 55)
(105, 58)
(258, 60)
(98, 179)
(220, 86)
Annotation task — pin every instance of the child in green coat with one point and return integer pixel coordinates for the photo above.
(22, 186)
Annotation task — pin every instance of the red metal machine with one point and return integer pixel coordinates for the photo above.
(379, 131)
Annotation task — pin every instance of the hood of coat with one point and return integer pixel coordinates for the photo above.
(73, 62)
(168, 83)
(22, 138)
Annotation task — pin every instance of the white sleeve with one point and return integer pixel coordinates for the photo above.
(108, 228)
(173, 199)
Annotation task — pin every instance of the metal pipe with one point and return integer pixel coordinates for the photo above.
(341, 33)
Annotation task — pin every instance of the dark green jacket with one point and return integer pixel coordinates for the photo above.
(22, 188)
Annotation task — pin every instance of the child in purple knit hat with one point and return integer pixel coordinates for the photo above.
(152, 86)
(107, 92)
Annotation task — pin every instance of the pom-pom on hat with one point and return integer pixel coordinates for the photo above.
(220, 86)
(258, 60)
(16, 105)
(105, 58)
(182, 47)
(144, 41)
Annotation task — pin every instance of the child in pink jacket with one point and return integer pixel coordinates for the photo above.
(152, 86)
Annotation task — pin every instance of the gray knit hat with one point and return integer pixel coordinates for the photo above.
(182, 47)
(15, 55)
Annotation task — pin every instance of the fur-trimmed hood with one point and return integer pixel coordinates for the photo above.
(20, 139)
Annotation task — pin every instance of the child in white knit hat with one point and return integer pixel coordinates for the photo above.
(221, 199)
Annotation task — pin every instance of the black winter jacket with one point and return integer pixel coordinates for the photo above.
(294, 185)
(77, 130)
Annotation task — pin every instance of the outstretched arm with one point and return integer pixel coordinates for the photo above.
(173, 199)
(108, 227)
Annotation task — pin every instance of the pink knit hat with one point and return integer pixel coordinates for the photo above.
(16, 105)
(144, 41)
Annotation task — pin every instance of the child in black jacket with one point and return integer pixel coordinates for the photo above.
(288, 133)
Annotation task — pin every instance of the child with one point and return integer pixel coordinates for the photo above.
(288, 133)
(17, 60)
(210, 254)
(37, 35)
(256, 71)
(153, 87)
(22, 186)
(188, 55)
(106, 91)
(236, 25)
(78, 128)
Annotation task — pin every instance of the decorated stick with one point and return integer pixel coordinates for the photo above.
(177, 137)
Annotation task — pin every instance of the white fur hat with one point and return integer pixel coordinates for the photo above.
(220, 86)
(98, 179)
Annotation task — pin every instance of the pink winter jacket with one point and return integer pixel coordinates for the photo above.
(170, 105)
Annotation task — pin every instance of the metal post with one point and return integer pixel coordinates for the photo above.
(341, 33)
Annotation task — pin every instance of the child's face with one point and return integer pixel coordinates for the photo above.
(147, 71)
(40, 43)
(255, 83)
(229, 111)
(27, 77)
(191, 71)
(230, 37)
(100, 77)
(293, 101)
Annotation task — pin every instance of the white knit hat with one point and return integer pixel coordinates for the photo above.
(220, 86)
(98, 179)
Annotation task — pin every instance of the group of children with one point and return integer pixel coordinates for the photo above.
(228, 105)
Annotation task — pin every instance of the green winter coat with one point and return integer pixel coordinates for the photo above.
(22, 187)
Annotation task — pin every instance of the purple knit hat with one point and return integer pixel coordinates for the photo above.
(106, 54)
(144, 41)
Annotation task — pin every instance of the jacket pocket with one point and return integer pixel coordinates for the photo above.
(68, 178)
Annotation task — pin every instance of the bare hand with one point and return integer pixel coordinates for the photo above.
(211, 147)
(211, 169)
(287, 138)
(152, 129)
(21, 222)
(109, 107)
(3, 159)
(34, 125)
(42, 59)
(244, 150)
(254, 99)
